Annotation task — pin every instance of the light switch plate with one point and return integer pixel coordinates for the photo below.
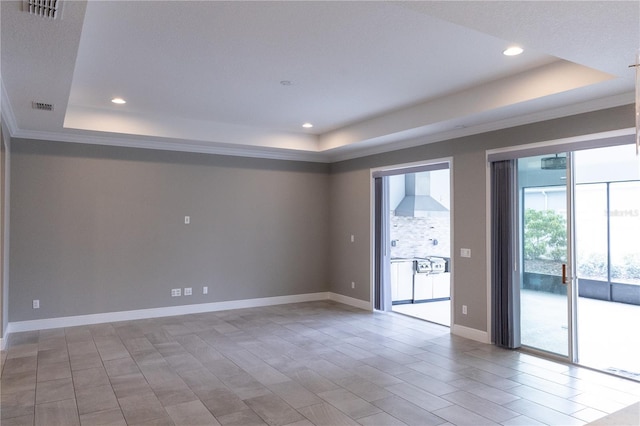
(465, 252)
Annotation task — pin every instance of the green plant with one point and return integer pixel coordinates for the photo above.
(545, 235)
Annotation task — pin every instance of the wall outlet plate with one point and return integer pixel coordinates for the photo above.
(205, 290)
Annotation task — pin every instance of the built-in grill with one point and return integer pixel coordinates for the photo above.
(423, 266)
(438, 265)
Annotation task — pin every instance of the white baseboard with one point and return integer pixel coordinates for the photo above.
(470, 333)
(44, 324)
(346, 300)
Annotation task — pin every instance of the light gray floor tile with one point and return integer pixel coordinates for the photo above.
(223, 402)
(17, 404)
(52, 356)
(380, 419)
(349, 403)
(370, 367)
(90, 377)
(192, 413)
(121, 367)
(138, 409)
(541, 413)
(294, 394)
(426, 383)
(241, 418)
(54, 390)
(407, 412)
(59, 370)
(130, 385)
(460, 416)
(546, 399)
(522, 421)
(326, 415)
(112, 417)
(25, 364)
(480, 406)
(273, 410)
(19, 382)
(93, 399)
(419, 397)
(27, 420)
(58, 413)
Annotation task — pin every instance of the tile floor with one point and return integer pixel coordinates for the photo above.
(319, 363)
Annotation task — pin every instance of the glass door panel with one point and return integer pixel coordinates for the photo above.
(544, 308)
(607, 229)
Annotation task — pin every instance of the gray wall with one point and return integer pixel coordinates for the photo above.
(100, 229)
(350, 204)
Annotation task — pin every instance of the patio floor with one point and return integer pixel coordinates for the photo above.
(608, 336)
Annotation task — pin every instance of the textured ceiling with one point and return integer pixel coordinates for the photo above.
(371, 76)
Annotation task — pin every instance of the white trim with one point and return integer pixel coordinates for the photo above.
(44, 324)
(562, 141)
(346, 300)
(166, 144)
(489, 265)
(470, 333)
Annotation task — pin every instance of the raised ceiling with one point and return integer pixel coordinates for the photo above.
(207, 76)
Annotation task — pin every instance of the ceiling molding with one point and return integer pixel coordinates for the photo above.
(329, 156)
(169, 145)
(550, 114)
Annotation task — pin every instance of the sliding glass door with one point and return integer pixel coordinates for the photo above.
(544, 252)
(578, 261)
(607, 234)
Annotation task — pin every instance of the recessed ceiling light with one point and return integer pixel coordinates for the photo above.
(513, 51)
(286, 83)
(118, 101)
(307, 125)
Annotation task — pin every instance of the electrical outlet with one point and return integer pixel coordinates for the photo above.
(175, 292)
(188, 291)
(36, 304)
(464, 309)
(353, 284)
(187, 220)
(205, 290)
(353, 238)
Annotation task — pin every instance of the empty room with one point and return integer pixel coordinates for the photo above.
(319, 213)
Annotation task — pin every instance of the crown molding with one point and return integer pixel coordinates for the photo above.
(550, 114)
(172, 145)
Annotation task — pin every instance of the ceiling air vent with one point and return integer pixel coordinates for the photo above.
(42, 106)
(50, 9)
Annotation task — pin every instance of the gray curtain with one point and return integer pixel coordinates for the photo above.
(504, 237)
(382, 297)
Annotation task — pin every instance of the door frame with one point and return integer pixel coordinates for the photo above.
(372, 221)
(568, 145)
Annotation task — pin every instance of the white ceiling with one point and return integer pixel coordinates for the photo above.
(205, 76)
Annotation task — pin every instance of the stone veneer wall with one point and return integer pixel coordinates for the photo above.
(415, 236)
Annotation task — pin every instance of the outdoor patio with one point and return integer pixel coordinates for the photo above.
(608, 336)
